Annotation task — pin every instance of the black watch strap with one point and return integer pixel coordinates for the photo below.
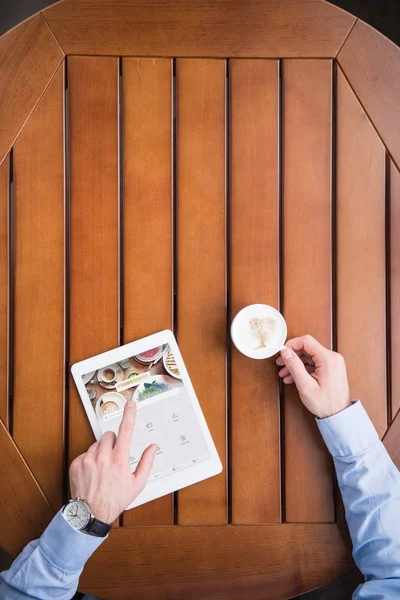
(97, 528)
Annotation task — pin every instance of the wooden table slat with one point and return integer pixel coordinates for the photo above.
(4, 289)
(24, 510)
(148, 216)
(210, 28)
(395, 287)
(361, 294)
(38, 386)
(214, 562)
(254, 98)
(94, 261)
(307, 302)
(371, 63)
(201, 294)
(29, 57)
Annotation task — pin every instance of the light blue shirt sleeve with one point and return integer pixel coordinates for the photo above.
(49, 567)
(370, 486)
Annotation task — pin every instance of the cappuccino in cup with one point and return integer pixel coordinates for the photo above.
(108, 375)
(108, 407)
(259, 331)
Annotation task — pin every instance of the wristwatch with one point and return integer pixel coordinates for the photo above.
(78, 514)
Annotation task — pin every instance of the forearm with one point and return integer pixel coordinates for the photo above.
(370, 486)
(49, 567)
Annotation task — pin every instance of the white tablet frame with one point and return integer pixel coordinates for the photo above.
(175, 481)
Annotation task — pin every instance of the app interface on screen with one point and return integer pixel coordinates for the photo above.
(165, 414)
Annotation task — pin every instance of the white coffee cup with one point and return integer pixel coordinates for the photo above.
(259, 331)
(108, 374)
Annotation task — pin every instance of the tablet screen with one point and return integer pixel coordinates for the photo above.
(165, 414)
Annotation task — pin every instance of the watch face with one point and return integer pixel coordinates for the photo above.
(77, 514)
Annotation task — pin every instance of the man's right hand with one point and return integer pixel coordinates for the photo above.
(318, 373)
(102, 476)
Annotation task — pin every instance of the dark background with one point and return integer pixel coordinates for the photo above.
(384, 15)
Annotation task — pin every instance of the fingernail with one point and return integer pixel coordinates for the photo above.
(130, 404)
(154, 450)
(286, 354)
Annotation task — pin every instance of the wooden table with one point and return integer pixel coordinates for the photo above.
(164, 164)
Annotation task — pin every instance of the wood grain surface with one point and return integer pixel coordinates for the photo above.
(254, 91)
(148, 557)
(201, 294)
(257, 28)
(29, 57)
(39, 358)
(372, 65)
(361, 295)
(4, 289)
(395, 287)
(24, 510)
(246, 561)
(307, 302)
(147, 219)
(94, 256)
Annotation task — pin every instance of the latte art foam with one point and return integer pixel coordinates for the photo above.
(259, 331)
(263, 330)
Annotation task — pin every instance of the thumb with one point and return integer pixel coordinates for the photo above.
(296, 368)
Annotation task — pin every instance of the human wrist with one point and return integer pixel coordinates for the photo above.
(333, 409)
(81, 515)
(103, 513)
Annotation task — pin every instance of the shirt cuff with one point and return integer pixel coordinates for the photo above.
(349, 432)
(66, 548)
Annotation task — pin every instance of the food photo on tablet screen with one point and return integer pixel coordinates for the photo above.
(142, 377)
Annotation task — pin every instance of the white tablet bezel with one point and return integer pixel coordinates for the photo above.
(175, 481)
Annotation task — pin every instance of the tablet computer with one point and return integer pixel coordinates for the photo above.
(150, 371)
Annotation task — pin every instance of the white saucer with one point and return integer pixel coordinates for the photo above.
(119, 375)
